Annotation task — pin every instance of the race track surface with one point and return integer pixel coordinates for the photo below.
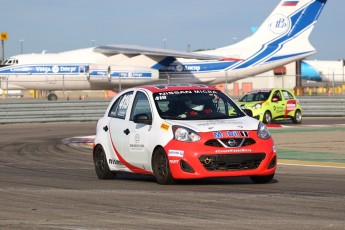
(48, 184)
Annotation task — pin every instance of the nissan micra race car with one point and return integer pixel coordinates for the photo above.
(181, 132)
(267, 105)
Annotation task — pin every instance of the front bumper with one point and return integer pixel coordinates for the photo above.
(197, 160)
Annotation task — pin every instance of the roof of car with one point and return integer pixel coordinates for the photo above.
(268, 90)
(170, 87)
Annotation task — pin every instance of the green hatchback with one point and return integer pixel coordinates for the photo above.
(272, 104)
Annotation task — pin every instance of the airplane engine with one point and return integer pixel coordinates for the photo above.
(101, 73)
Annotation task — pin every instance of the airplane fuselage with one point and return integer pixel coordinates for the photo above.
(282, 38)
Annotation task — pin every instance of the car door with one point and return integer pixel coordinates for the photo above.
(118, 124)
(279, 104)
(136, 148)
(291, 103)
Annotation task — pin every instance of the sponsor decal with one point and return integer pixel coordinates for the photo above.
(225, 134)
(182, 68)
(173, 161)
(131, 74)
(176, 153)
(233, 151)
(290, 106)
(114, 162)
(209, 123)
(42, 69)
(137, 138)
(162, 95)
(136, 146)
(165, 126)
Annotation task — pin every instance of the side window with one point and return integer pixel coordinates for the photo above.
(287, 95)
(225, 108)
(277, 95)
(120, 106)
(141, 104)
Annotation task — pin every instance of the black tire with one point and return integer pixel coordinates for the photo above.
(267, 119)
(160, 167)
(297, 119)
(101, 164)
(262, 179)
(52, 97)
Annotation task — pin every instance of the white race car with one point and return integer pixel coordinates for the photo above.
(181, 131)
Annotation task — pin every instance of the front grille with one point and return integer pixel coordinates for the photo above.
(230, 142)
(228, 162)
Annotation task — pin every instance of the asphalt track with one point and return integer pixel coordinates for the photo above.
(48, 184)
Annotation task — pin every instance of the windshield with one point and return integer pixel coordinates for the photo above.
(256, 96)
(195, 105)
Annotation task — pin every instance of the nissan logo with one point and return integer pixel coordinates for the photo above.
(232, 143)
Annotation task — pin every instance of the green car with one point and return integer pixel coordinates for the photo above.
(267, 105)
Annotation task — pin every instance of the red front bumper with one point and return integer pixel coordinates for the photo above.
(198, 160)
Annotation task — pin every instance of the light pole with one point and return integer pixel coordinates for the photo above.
(164, 42)
(21, 45)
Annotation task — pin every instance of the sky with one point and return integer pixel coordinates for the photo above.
(62, 25)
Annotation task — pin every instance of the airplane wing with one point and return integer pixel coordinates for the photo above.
(149, 51)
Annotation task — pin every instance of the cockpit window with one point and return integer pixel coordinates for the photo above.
(11, 61)
(195, 105)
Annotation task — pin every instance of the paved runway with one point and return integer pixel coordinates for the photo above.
(46, 184)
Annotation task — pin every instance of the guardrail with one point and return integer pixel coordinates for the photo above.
(23, 111)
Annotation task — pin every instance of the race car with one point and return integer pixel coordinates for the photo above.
(181, 131)
(267, 105)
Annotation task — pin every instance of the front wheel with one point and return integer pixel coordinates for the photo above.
(160, 167)
(297, 119)
(262, 179)
(101, 165)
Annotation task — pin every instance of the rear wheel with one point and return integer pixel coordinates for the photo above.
(297, 119)
(267, 117)
(262, 179)
(160, 167)
(101, 165)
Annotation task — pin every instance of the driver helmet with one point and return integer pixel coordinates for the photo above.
(196, 105)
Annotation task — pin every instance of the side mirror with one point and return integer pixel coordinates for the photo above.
(142, 118)
(248, 112)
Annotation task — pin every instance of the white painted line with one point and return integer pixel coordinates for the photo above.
(320, 166)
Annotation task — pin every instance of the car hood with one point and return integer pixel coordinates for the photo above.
(241, 123)
(248, 105)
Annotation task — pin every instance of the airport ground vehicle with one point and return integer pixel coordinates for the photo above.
(181, 131)
(272, 104)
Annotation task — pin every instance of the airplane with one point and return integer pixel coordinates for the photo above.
(282, 38)
(323, 71)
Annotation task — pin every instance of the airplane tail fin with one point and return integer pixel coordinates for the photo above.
(284, 35)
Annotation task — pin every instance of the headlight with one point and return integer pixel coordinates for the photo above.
(257, 106)
(263, 132)
(185, 134)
